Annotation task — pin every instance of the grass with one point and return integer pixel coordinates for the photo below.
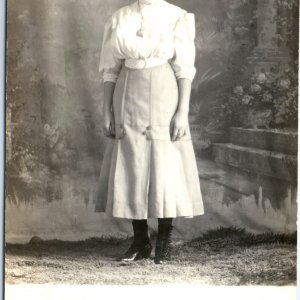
(226, 256)
(239, 237)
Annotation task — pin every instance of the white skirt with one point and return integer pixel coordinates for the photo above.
(144, 174)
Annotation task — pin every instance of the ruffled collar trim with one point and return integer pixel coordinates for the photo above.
(149, 2)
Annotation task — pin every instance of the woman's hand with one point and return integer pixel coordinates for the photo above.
(179, 125)
(109, 123)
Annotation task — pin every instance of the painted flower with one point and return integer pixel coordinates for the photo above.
(267, 97)
(261, 78)
(247, 99)
(285, 83)
(238, 90)
(47, 128)
(240, 31)
(255, 88)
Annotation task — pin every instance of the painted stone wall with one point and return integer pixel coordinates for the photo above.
(54, 96)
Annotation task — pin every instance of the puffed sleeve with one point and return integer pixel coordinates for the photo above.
(184, 57)
(109, 65)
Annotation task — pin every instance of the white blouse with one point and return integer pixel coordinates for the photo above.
(169, 35)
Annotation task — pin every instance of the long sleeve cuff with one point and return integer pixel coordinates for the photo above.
(188, 73)
(112, 77)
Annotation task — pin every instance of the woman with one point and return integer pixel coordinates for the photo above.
(149, 168)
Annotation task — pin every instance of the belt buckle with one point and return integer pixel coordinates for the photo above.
(144, 61)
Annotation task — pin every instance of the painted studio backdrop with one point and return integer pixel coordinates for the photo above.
(243, 117)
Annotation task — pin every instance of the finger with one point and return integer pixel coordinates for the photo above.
(175, 133)
(106, 130)
(180, 133)
(112, 128)
(111, 136)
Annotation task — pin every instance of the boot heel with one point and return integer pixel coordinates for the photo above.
(163, 244)
(146, 252)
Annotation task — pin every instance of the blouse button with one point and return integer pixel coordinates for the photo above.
(148, 127)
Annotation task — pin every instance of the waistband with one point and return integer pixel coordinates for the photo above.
(144, 63)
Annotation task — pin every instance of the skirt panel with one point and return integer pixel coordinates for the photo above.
(150, 176)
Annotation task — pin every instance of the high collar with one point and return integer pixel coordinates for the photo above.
(149, 2)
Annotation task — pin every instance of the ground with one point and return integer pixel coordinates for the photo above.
(222, 257)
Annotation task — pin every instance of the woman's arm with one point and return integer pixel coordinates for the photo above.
(184, 89)
(109, 68)
(184, 69)
(108, 115)
(180, 119)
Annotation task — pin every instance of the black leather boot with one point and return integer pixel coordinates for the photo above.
(141, 247)
(163, 241)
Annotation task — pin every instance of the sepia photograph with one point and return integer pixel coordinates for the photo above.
(151, 142)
